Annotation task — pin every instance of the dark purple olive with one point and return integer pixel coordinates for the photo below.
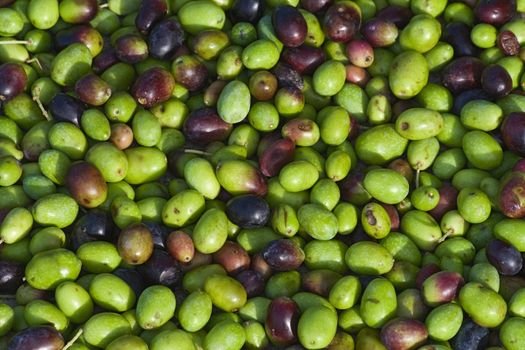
(233, 257)
(287, 76)
(165, 38)
(508, 43)
(189, 72)
(441, 287)
(342, 21)
(180, 245)
(352, 189)
(319, 281)
(360, 53)
(11, 276)
(380, 32)
(105, 59)
(304, 59)
(135, 244)
(248, 211)
(513, 132)
(283, 255)
(470, 336)
(399, 15)
(263, 85)
(86, 184)
(316, 5)
(84, 34)
(425, 272)
(276, 156)
(289, 25)
(13, 80)
(96, 224)
(282, 320)
(496, 81)
(150, 12)
(393, 214)
(132, 278)
(66, 108)
(511, 194)
(131, 48)
(447, 201)
(495, 12)
(152, 87)
(37, 338)
(159, 233)
(505, 257)
(247, 11)
(462, 74)
(93, 90)
(457, 34)
(252, 281)
(403, 334)
(466, 96)
(161, 268)
(84, 11)
(204, 126)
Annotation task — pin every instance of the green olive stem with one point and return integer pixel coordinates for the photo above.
(103, 6)
(74, 339)
(14, 42)
(196, 151)
(34, 59)
(417, 178)
(36, 98)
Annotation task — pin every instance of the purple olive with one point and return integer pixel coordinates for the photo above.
(150, 12)
(283, 255)
(13, 80)
(496, 81)
(304, 59)
(204, 126)
(505, 257)
(289, 25)
(495, 12)
(403, 334)
(342, 21)
(462, 74)
(282, 320)
(152, 87)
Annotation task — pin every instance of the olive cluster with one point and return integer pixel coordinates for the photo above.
(262, 174)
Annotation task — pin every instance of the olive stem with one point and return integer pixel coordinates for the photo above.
(196, 151)
(13, 42)
(34, 59)
(417, 178)
(445, 236)
(36, 98)
(103, 6)
(74, 339)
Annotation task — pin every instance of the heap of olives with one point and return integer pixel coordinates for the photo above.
(262, 174)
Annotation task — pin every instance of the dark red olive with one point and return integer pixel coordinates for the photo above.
(357, 75)
(289, 25)
(180, 245)
(247, 11)
(342, 21)
(287, 76)
(282, 320)
(379, 32)
(263, 85)
(150, 12)
(165, 38)
(135, 244)
(304, 59)
(84, 34)
(360, 53)
(352, 189)
(248, 211)
(252, 281)
(86, 184)
(276, 156)
(393, 215)
(399, 15)
(37, 338)
(283, 255)
(66, 108)
(457, 34)
(319, 281)
(505, 257)
(204, 126)
(447, 201)
(189, 72)
(403, 334)
(85, 11)
(425, 272)
(508, 43)
(105, 59)
(233, 257)
(12, 276)
(496, 81)
(152, 87)
(513, 132)
(495, 12)
(442, 287)
(316, 5)
(93, 90)
(161, 268)
(131, 48)
(511, 193)
(462, 74)
(13, 80)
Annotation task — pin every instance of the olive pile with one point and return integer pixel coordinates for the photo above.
(262, 174)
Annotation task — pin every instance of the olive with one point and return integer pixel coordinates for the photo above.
(248, 211)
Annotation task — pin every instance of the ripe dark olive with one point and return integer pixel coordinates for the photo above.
(496, 81)
(379, 32)
(86, 184)
(457, 34)
(462, 74)
(37, 338)
(287, 76)
(425, 272)
(276, 156)
(150, 12)
(304, 59)
(511, 193)
(282, 320)
(166, 38)
(135, 244)
(360, 53)
(447, 201)
(131, 48)
(319, 281)
(252, 281)
(84, 11)
(91, 89)
(248, 211)
(315, 5)
(442, 287)
(189, 72)
(495, 12)
(96, 224)
(513, 132)
(470, 336)
(399, 15)
(84, 34)
(468, 95)
(247, 11)
(508, 43)
(204, 126)
(289, 25)
(161, 268)
(105, 59)
(504, 257)
(66, 108)
(233, 257)
(403, 334)
(132, 278)
(152, 87)
(13, 80)
(283, 255)
(342, 21)
(12, 275)
(159, 233)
